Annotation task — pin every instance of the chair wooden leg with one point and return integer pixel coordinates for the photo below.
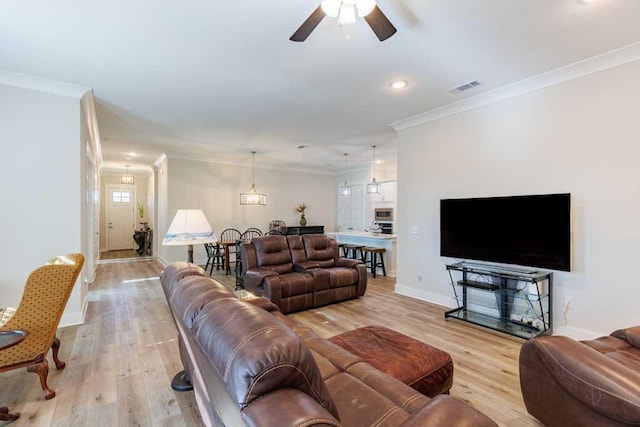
(42, 369)
(55, 347)
(6, 416)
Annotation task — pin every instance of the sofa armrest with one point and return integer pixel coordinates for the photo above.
(347, 262)
(446, 411)
(596, 381)
(254, 278)
(287, 407)
(306, 265)
(630, 335)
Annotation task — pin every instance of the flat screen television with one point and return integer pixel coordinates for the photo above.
(532, 231)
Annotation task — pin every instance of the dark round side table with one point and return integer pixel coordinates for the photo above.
(9, 339)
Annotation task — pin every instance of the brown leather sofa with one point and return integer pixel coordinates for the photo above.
(583, 383)
(301, 272)
(252, 366)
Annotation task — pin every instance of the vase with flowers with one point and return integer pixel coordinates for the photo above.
(300, 209)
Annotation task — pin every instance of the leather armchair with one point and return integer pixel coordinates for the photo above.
(592, 383)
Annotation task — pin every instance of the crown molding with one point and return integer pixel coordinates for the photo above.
(576, 70)
(26, 81)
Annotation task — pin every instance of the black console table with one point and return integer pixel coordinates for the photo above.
(307, 229)
(144, 240)
(514, 301)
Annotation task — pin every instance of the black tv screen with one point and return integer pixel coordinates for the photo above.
(525, 230)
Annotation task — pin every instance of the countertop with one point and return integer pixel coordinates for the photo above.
(365, 234)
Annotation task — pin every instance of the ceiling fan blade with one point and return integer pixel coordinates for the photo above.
(380, 24)
(308, 26)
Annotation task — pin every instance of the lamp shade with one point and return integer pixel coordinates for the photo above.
(189, 227)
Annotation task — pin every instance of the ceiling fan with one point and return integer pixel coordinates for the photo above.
(345, 11)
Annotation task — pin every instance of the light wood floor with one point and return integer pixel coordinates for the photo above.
(120, 254)
(121, 361)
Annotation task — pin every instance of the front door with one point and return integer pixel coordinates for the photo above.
(120, 217)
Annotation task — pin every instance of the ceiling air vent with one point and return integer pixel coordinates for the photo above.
(465, 86)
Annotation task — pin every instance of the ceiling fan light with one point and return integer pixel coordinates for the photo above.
(347, 14)
(365, 7)
(331, 7)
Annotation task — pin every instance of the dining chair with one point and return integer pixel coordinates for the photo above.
(277, 225)
(274, 233)
(214, 257)
(43, 300)
(230, 235)
(250, 233)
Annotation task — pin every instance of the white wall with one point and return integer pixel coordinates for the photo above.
(40, 184)
(216, 189)
(581, 137)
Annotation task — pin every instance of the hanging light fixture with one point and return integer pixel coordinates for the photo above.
(126, 178)
(253, 197)
(345, 190)
(373, 187)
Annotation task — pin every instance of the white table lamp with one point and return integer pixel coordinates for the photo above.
(189, 227)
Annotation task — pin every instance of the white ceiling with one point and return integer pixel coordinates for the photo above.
(213, 80)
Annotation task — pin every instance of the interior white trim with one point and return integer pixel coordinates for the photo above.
(40, 84)
(588, 66)
(70, 319)
(427, 296)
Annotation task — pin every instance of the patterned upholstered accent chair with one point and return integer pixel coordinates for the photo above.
(43, 300)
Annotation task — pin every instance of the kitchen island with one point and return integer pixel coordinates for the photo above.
(387, 241)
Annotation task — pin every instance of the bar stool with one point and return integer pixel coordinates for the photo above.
(374, 258)
(342, 250)
(351, 251)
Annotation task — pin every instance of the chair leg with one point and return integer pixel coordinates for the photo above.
(6, 416)
(42, 369)
(55, 347)
(384, 271)
(374, 263)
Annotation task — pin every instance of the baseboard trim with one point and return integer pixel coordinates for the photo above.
(76, 318)
(163, 261)
(431, 297)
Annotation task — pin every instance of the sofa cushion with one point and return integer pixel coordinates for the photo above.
(249, 360)
(320, 248)
(340, 277)
(292, 284)
(273, 252)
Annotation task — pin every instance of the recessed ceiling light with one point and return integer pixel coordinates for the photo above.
(132, 154)
(378, 162)
(128, 158)
(398, 84)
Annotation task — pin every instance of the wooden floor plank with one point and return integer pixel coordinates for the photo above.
(120, 362)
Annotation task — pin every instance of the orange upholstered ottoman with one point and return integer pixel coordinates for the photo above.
(421, 366)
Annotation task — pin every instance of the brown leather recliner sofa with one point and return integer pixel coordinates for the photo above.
(301, 272)
(583, 383)
(252, 366)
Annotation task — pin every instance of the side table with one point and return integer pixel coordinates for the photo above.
(9, 339)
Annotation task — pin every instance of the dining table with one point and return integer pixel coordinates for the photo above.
(9, 339)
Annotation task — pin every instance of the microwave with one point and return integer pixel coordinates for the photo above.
(384, 214)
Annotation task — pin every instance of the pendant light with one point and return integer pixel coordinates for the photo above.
(126, 178)
(253, 197)
(373, 187)
(345, 190)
